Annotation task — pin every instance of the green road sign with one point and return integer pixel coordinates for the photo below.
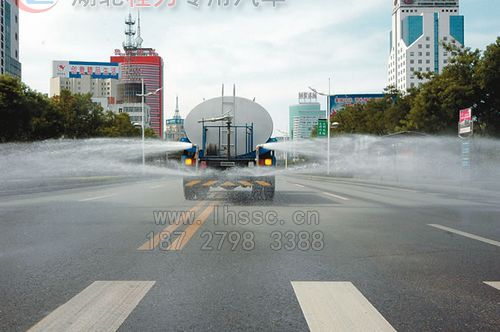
(322, 128)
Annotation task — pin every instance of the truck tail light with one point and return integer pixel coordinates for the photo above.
(189, 162)
(266, 162)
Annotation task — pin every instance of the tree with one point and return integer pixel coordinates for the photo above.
(15, 110)
(488, 109)
(436, 104)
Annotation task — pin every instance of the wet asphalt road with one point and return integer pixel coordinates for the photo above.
(233, 269)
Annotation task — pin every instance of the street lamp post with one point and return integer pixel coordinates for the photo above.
(287, 139)
(143, 95)
(328, 143)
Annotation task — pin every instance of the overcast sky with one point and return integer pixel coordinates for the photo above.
(270, 53)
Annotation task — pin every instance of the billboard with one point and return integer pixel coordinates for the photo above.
(338, 102)
(76, 69)
(465, 124)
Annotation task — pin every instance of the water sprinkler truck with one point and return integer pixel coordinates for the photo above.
(228, 136)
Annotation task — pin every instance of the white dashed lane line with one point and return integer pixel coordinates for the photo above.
(96, 198)
(465, 234)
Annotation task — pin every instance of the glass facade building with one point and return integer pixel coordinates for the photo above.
(420, 29)
(9, 52)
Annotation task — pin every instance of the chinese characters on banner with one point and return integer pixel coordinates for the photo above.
(173, 3)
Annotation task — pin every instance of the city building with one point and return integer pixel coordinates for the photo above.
(339, 102)
(420, 28)
(97, 78)
(174, 128)
(142, 64)
(9, 51)
(100, 79)
(304, 116)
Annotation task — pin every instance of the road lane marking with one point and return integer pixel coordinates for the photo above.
(156, 240)
(96, 198)
(103, 306)
(338, 306)
(158, 186)
(299, 185)
(471, 236)
(335, 196)
(181, 241)
(494, 284)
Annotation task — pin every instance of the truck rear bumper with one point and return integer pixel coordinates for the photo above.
(207, 182)
(198, 187)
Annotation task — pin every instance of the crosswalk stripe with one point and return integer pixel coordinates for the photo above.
(494, 284)
(103, 306)
(338, 306)
(470, 236)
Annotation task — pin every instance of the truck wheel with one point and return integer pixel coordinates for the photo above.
(202, 194)
(262, 193)
(189, 194)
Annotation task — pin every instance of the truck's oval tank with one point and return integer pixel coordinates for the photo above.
(245, 112)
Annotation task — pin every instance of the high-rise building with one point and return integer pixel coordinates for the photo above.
(304, 116)
(139, 64)
(174, 128)
(9, 51)
(420, 28)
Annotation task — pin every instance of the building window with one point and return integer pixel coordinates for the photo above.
(412, 53)
(428, 69)
(428, 54)
(419, 53)
(419, 61)
(427, 61)
(419, 45)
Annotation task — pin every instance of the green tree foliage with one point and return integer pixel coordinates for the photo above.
(16, 109)
(472, 79)
(28, 115)
(488, 72)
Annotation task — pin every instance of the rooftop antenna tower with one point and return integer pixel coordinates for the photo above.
(129, 43)
(139, 40)
(131, 73)
(177, 114)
